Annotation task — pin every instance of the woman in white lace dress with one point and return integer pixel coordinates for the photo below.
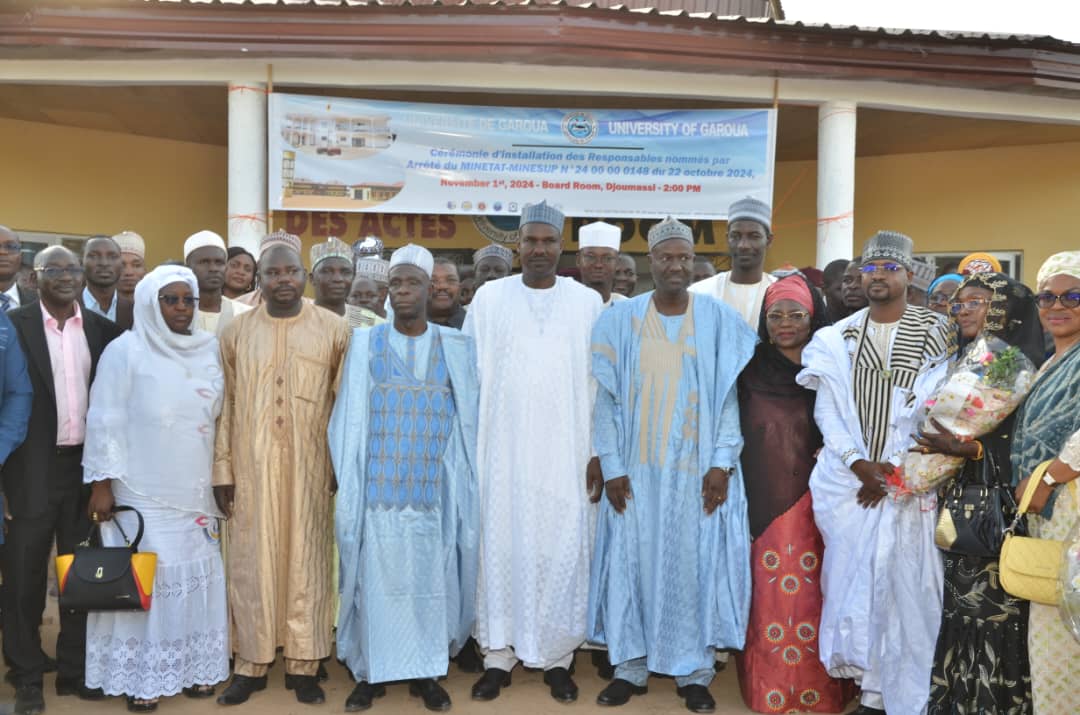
(149, 445)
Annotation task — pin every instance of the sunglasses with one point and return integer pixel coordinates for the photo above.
(1068, 300)
(874, 268)
(958, 306)
(796, 316)
(171, 300)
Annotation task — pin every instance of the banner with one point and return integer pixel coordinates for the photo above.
(352, 155)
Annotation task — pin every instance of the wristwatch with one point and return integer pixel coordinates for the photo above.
(1049, 480)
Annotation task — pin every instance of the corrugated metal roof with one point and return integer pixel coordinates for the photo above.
(727, 11)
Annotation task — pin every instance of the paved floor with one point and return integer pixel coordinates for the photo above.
(527, 695)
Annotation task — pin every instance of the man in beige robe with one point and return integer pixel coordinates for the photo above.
(273, 479)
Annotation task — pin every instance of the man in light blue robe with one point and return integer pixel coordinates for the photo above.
(671, 570)
(403, 442)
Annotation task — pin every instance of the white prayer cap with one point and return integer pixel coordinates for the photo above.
(131, 242)
(202, 239)
(503, 253)
(600, 235)
(412, 255)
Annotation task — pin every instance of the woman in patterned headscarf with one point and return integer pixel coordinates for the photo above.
(1048, 428)
(980, 662)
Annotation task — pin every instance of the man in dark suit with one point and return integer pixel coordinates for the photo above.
(102, 264)
(43, 477)
(12, 295)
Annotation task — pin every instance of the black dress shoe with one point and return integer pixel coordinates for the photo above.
(29, 700)
(490, 684)
(866, 710)
(469, 659)
(698, 699)
(307, 690)
(433, 695)
(619, 693)
(75, 686)
(240, 689)
(563, 687)
(603, 666)
(362, 696)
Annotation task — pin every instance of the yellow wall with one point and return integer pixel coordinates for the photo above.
(79, 181)
(67, 180)
(1024, 198)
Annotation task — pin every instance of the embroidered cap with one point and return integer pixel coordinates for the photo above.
(376, 269)
(543, 213)
(332, 247)
(889, 246)
(600, 235)
(368, 246)
(279, 238)
(751, 209)
(412, 255)
(131, 242)
(924, 270)
(494, 250)
(668, 229)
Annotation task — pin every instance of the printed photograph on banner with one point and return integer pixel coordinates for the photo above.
(353, 155)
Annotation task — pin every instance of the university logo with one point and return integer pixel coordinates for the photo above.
(580, 127)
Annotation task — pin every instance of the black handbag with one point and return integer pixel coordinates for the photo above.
(107, 578)
(975, 511)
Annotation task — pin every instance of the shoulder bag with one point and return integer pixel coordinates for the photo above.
(1029, 567)
(975, 512)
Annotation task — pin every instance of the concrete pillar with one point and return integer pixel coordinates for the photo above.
(836, 182)
(247, 164)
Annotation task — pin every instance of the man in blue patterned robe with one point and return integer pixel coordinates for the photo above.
(403, 441)
(671, 570)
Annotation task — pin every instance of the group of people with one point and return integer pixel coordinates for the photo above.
(671, 476)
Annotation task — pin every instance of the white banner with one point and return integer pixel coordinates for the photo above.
(329, 154)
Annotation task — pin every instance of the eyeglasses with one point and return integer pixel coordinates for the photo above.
(876, 267)
(10, 246)
(958, 306)
(170, 300)
(54, 273)
(939, 299)
(796, 316)
(592, 259)
(1068, 300)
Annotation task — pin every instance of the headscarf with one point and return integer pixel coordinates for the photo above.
(773, 366)
(979, 263)
(1066, 263)
(944, 278)
(799, 291)
(154, 403)
(1012, 314)
(150, 323)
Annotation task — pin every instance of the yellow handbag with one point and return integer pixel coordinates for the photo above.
(1028, 566)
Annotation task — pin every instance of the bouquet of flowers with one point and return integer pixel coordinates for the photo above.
(1070, 582)
(986, 384)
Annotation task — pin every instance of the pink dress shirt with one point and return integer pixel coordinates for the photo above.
(69, 355)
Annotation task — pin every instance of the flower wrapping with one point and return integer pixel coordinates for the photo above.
(985, 385)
